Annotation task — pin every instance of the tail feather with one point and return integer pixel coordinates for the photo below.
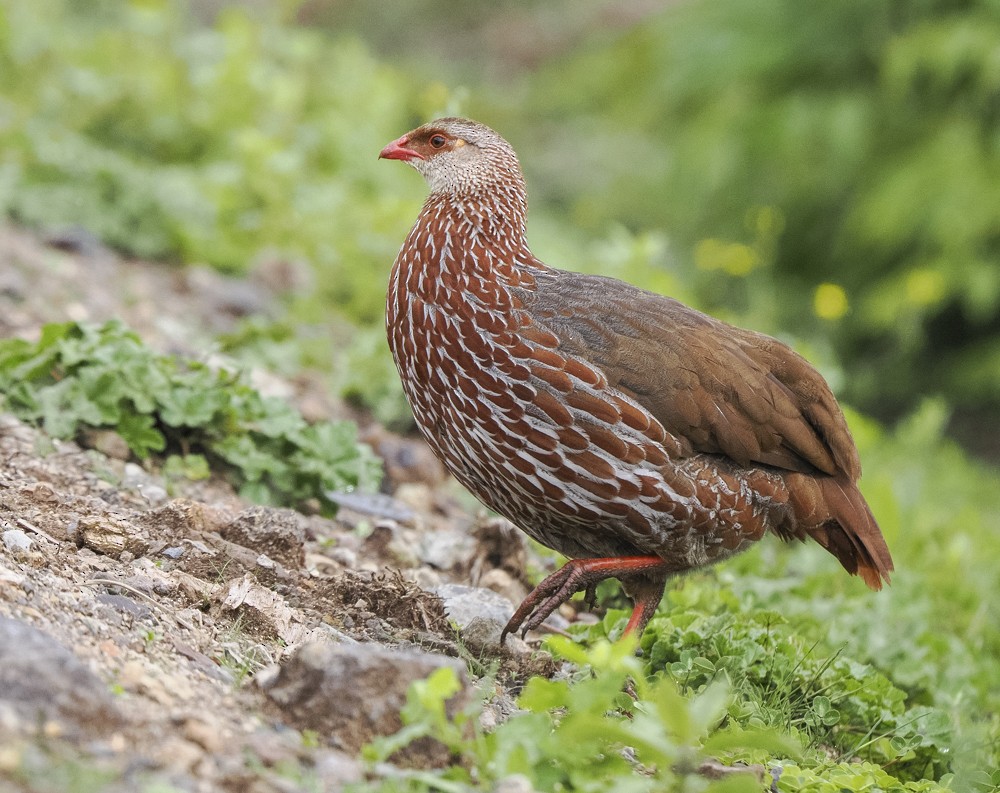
(851, 533)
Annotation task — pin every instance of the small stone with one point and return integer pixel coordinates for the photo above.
(265, 570)
(445, 549)
(406, 460)
(153, 494)
(463, 604)
(126, 605)
(344, 557)
(110, 535)
(16, 541)
(107, 442)
(134, 476)
(387, 542)
(42, 492)
(264, 613)
(377, 505)
(482, 635)
(11, 577)
(272, 747)
(179, 754)
(503, 583)
(207, 736)
(181, 518)
(425, 578)
(416, 496)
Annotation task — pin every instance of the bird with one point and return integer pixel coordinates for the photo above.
(638, 437)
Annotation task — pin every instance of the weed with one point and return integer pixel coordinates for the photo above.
(80, 375)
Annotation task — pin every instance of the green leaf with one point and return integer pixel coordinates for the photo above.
(141, 434)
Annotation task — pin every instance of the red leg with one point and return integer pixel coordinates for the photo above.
(646, 594)
(647, 576)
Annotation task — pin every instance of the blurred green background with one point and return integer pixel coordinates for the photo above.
(829, 173)
(825, 172)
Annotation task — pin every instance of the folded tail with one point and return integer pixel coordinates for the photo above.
(832, 511)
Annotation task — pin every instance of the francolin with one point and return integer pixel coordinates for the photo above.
(637, 436)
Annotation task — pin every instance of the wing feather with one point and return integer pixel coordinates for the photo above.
(721, 389)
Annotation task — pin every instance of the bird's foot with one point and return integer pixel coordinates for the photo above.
(573, 576)
(546, 598)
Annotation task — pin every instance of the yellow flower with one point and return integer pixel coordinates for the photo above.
(830, 301)
(733, 258)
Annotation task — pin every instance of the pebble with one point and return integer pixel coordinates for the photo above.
(344, 557)
(107, 442)
(154, 495)
(16, 541)
(134, 476)
(208, 736)
(377, 505)
(278, 533)
(445, 549)
(111, 535)
(463, 604)
(482, 634)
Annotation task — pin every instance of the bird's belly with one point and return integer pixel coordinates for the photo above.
(583, 485)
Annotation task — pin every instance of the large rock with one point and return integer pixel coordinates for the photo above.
(353, 693)
(42, 684)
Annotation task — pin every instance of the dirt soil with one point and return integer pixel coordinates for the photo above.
(175, 637)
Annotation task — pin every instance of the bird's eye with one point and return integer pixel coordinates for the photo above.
(438, 141)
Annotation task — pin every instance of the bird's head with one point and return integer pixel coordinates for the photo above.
(458, 156)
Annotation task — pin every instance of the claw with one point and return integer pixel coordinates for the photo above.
(646, 574)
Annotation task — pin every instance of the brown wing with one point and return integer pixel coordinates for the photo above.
(722, 389)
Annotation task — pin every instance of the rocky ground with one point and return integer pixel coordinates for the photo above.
(190, 638)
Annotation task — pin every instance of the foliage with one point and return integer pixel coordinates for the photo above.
(217, 144)
(785, 677)
(867, 129)
(587, 733)
(80, 376)
(910, 673)
(367, 377)
(230, 142)
(610, 726)
(829, 169)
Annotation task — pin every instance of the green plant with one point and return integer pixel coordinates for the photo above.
(80, 375)
(783, 676)
(609, 725)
